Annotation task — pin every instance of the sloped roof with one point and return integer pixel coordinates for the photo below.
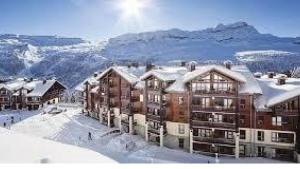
(207, 68)
(166, 73)
(130, 74)
(251, 85)
(41, 88)
(272, 93)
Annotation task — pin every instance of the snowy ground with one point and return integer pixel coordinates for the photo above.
(71, 127)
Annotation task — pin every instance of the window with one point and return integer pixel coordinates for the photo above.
(156, 98)
(4, 92)
(260, 151)
(218, 118)
(181, 129)
(277, 121)
(181, 142)
(180, 100)
(229, 134)
(260, 136)
(282, 137)
(200, 86)
(156, 84)
(242, 134)
(243, 104)
(204, 132)
(242, 150)
(141, 98)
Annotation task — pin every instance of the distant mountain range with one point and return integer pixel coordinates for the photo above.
(73, 59)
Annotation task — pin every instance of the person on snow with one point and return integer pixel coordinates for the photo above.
(4, 124)
(90, 136)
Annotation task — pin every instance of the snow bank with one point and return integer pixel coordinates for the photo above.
(37, 150)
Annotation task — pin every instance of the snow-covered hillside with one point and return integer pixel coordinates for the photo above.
(73, 59)
(38, 150)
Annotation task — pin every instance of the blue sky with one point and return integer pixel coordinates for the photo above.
(99, 19)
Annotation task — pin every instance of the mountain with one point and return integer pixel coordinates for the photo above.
(219, 43)
(69, 59)
(73, 59)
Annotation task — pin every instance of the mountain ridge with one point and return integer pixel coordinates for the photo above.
(73, 59)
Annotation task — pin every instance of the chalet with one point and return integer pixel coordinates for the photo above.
(205, 109)
(45, 92)
(29, 93)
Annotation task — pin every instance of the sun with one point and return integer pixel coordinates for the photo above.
(132, 8)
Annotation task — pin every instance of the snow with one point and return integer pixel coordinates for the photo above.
(130, 74)
(256, 55)
(204, 69)
(72, 127)
(38, 150)
(166, 73)
(41, 88)
(251, 85)
(272, 93)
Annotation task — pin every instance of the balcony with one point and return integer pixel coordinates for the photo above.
(153, 117)
(215, 92)
(154, 105)
(214, 140)
(214, 124)
(126, 110)
(213, 109)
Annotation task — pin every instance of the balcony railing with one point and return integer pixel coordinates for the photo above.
(222, 92)
(153, 117)
(215, 109)
(213, 124)
(215, 140)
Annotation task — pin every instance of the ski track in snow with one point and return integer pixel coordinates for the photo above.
(72, 127)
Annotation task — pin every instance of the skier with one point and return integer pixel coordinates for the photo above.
(12, 119)
(4, 124)
(90, 136)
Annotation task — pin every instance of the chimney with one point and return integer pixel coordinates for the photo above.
(281, 80)
(270, 75)
(228, 64)
(192, 66)
(258, 74)
(149, 67)
(183, 63)
(95, 74)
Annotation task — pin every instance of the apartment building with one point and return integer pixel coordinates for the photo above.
(205, 109)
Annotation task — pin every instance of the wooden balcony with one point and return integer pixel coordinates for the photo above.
(214, 124)
(153, 105)
(150, 116)
(214, 92)
(213, 109)
(214, 140)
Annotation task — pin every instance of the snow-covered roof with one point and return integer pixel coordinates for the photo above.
(166, 73)
(131, 74)
(200, 70)
(251, 85)
(272, 93)
(42, 87)
(91, 80)
(241, 72)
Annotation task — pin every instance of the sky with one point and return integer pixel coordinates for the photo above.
(102, 19)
